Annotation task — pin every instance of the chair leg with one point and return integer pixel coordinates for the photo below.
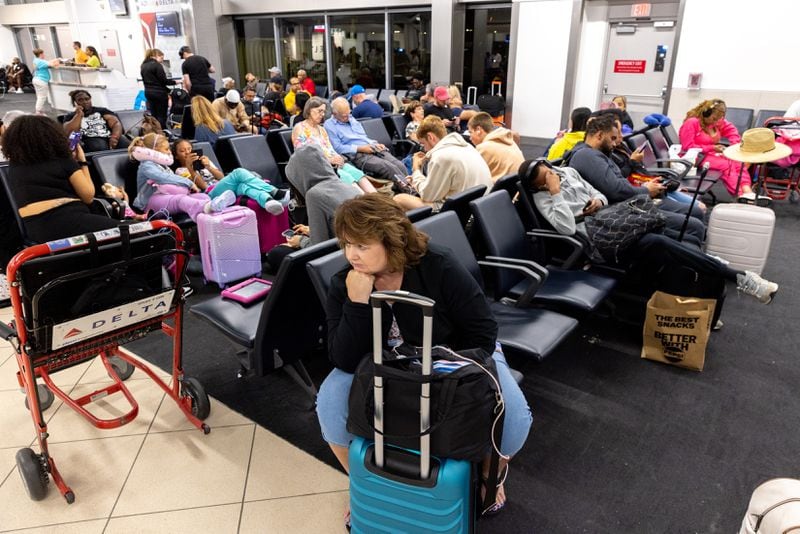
(299, 374)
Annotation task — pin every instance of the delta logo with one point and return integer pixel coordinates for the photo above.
(72, 333)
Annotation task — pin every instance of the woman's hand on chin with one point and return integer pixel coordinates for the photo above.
(359, 286)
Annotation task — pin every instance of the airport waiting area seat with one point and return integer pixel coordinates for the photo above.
(288, 325)
(573, 291)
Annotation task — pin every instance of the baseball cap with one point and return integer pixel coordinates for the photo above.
(276, 79)
(275, 69)
(357, 90)
(440, 93)
(182, 50)
(232, 96)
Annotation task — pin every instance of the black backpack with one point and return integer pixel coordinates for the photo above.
(180, 99)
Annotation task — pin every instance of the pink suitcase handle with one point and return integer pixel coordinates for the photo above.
(234, 219)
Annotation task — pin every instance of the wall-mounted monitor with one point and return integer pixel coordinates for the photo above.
(168, 23)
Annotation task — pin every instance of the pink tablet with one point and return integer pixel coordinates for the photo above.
(248, 291)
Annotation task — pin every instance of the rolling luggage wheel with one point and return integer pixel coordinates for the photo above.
(794, 196)
(33, 473)
(123, 369)
(46, 397)
(201, 405)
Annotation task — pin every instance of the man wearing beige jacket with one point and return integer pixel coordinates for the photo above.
(496, 145)
(230, 108)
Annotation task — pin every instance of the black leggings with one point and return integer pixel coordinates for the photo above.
(157, 103)
(68, 220)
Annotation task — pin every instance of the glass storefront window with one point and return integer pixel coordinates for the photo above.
(255, 43)
(411, 47)
(358, 44)
(303, 47)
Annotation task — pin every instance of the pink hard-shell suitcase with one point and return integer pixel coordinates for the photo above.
(229, 245)
(270, 226)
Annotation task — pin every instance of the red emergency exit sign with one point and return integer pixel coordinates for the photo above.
(640, 10)
(630, 66)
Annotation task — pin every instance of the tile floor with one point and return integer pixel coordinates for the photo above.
(158, 474)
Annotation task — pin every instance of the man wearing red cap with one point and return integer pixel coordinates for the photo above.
(440, 108)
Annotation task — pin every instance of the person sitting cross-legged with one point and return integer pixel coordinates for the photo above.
(350, 141)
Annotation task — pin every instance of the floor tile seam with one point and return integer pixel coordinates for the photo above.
(300, 496)
(171, 510)
(215, 427)
(246, 477)
(133, 464)
(77, 521)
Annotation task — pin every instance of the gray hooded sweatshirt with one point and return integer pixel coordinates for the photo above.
(314, 178)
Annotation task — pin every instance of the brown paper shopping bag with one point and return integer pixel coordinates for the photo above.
(676, 330)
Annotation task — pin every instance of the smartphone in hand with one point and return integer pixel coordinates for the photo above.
(197, 164)
(288, 233)
(74, 139)
(640, 148)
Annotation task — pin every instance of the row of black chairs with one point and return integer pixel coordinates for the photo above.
(746, 118)
(536, 307)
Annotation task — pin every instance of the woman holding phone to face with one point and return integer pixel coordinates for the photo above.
(208, 178)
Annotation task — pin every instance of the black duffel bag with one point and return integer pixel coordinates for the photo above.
(464, 402)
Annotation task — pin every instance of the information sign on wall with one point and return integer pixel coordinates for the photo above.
(630, 66)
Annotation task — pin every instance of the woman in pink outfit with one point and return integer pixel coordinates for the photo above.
(704, 127)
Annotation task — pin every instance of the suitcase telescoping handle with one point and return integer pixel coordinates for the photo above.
(376, 299)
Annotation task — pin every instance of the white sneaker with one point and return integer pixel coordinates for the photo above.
(19, 91)
(752, 284)
(274, 207)
(227, 198)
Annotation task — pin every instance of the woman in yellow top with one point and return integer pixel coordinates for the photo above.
(94, 58)
(575, 135)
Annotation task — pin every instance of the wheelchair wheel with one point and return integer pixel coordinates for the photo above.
(201, 404)
(123, 369)
(33, 473)
(46, 397)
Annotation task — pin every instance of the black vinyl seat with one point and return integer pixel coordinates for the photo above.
(9, 209)
(208, 150)
(742, 118)
(376, 129)
(287, 325)
(505, 236)
(417, 214)
(396, 125)
(130, 118)
(506, 183)
(762, 117)
(187, 123)
(659, 144)
(671, 134)
(459, 203)
(533, 332)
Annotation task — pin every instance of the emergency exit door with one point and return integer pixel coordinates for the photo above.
(638, 65)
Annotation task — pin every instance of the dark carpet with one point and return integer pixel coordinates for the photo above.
(619, 444)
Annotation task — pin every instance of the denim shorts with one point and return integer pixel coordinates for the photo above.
(335, 391)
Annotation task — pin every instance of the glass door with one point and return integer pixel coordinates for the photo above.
(486, 43)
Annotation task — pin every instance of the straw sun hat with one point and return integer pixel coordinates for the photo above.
(758, 146)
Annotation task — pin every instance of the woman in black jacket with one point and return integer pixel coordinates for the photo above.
(155, 82)
(386, 252)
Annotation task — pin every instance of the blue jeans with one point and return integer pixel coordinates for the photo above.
(335, 391)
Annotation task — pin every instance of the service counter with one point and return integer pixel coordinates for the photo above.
(109, 87)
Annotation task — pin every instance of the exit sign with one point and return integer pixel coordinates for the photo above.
(640, 10)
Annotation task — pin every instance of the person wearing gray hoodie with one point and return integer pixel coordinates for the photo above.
(316, 180)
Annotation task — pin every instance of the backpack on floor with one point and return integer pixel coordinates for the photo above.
(774, 508)
(180, 99)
